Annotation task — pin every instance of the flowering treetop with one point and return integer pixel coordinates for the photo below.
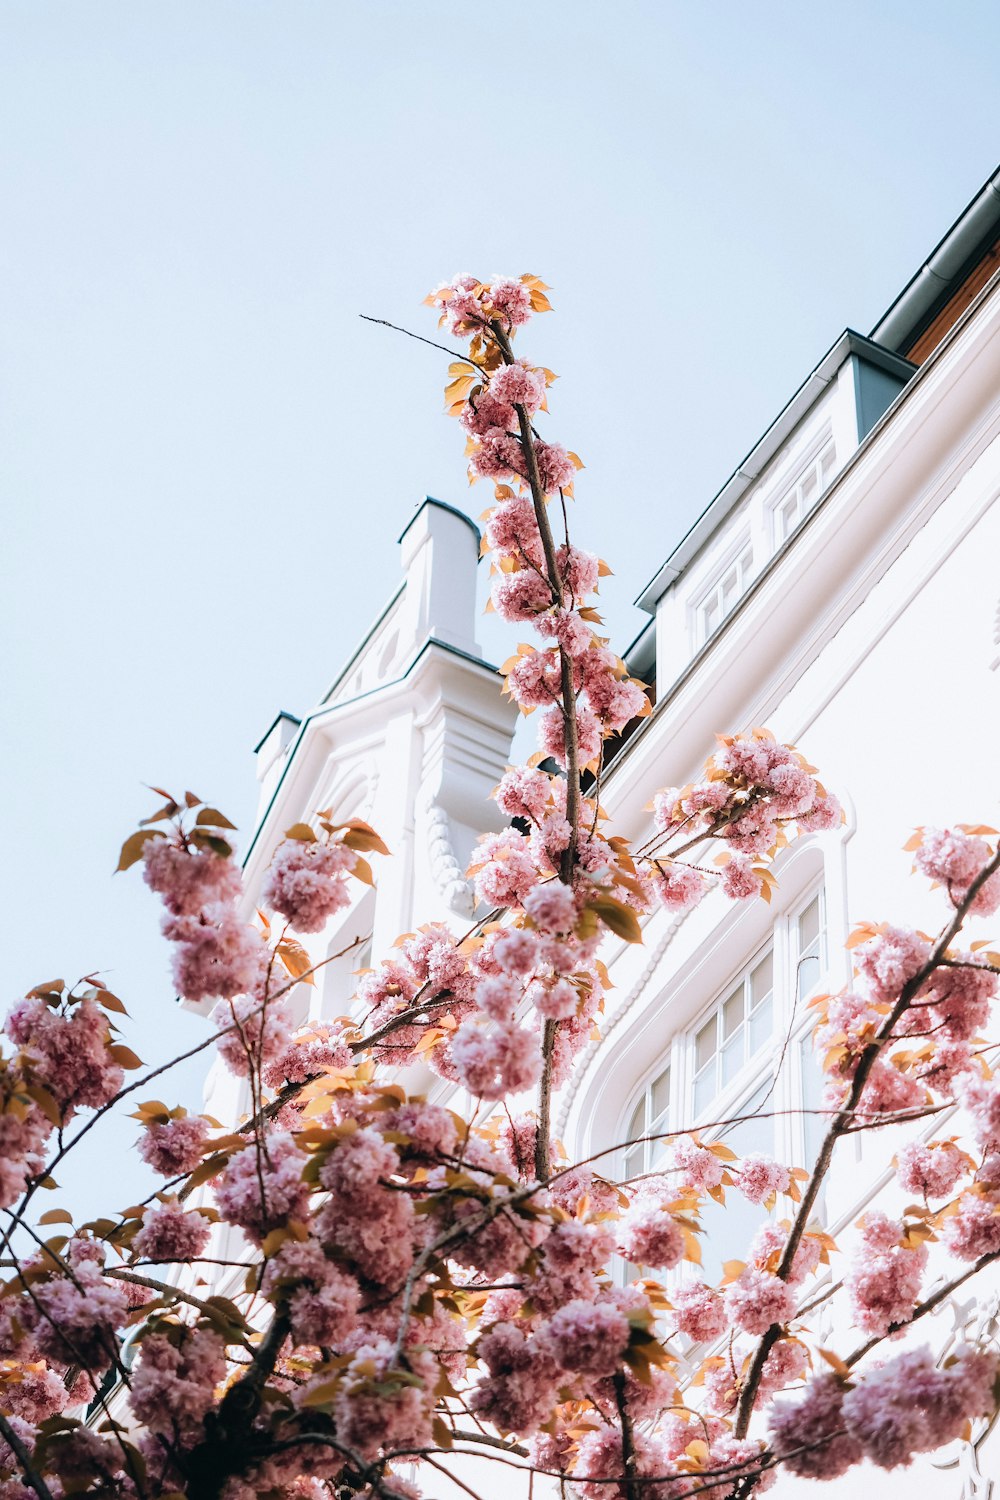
(418, 1285)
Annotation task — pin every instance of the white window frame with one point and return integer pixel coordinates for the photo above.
(811, 466)
(741, 560)
(778, 1059)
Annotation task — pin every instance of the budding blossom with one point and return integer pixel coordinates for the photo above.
(307, 882)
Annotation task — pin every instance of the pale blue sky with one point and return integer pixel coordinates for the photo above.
(207, 457)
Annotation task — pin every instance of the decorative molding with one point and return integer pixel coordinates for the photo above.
(449, 877)
(628, 1004)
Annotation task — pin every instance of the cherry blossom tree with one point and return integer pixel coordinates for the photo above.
(422, 1286)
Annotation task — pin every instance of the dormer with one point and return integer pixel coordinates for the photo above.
(758, 511)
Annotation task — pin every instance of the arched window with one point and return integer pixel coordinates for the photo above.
(743, 1071)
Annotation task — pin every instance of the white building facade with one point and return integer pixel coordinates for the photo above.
(842, 589)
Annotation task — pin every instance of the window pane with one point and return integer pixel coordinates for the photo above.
(729, 1230)
(761, 1025)
(809, 926)
(704, 1044)
(636, 1126)
(746, 563)
(813, 1125)
(635, 1161)
(810, 489)
(660, 1094)
(711, 615)
(826, 460)
(809, 972)
(704, 1090)
(732, 1056)
(762, 979)
(732, 1012)
(787, 516)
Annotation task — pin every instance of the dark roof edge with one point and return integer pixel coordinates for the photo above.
(756, 461)
(323, 710)
(281, 714)
(943, 269)
(442, 505)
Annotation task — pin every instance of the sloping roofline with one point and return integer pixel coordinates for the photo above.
(756, 461)
(937, 279)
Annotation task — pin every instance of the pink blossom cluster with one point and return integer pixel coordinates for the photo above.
(306, 882)
(750, 789)
(468, 305)
(371, 1225)
(67, 1049)
(187, 879)
(76, 1322)
(757, 1299)
(698, 1311)
(758, 1177)
(883, 1280)
(696, 1166)
(261, 1187)
(321, 1298)
(174, 1146)
(930, 1170)
(649, 1236)
(171, 1233)
(955, 858)
(216, 955)
(173, 1384)
(901, 1408)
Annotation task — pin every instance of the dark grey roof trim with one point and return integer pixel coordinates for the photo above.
(442, 505)
(756, 461)
(943, 270)
(281, 714)
(328, 708)
(826, 498)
